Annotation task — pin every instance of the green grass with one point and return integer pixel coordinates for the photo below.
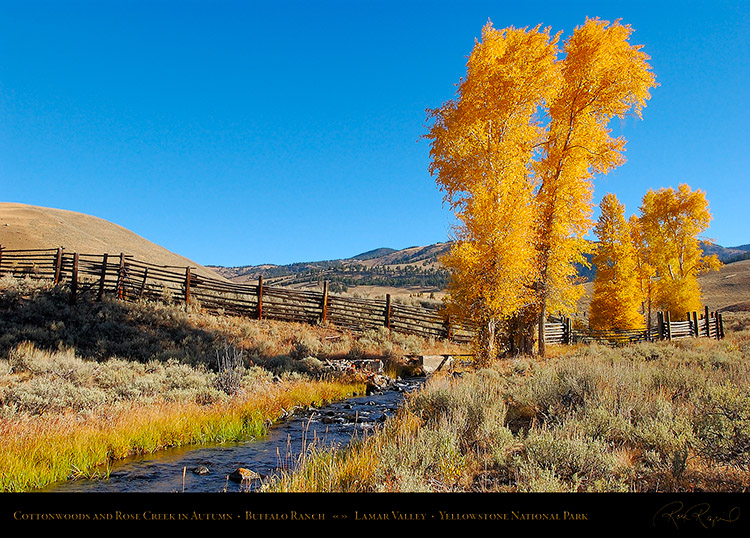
(48, 435)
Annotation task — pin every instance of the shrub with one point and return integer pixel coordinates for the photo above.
(723, 426)
(564, 462)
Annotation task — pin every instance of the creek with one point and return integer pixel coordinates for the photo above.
(206, 468)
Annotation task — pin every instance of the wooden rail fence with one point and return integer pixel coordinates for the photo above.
(705, 325)
(122, 276)
(95, 275)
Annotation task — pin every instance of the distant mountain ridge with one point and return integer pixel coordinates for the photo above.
(412, 267)
(416, 266)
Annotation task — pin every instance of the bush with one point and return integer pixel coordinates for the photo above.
(723, 426)
(567, 462)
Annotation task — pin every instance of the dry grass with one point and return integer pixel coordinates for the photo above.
(650, 417)
(83, 385)
(39, 449)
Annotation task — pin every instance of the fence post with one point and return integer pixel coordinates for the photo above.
(568, 331)
(668, 325)
(660, 325)
(708, 327)
(1, 256)
(260, 297)
(721, 325)
(324, 306)
(74, 283)
(187, 285)
(696, 334)
(388, 310)
(100, 296)
(716, 324)
(58, 264)
(143, 284)
(121, 277)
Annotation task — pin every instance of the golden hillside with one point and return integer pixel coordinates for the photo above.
(31, 227)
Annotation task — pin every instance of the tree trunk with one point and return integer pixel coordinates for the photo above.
(487, 342)
(542, 320)
(491, 340)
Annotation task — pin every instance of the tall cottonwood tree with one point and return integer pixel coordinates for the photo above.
(616, 300)
(515, 154)
(604, 77)
(483, 143)
(670, 224)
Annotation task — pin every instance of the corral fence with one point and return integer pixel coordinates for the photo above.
(92, 276)
(694, 325)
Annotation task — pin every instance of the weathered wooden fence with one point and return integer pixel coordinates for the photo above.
(94, 275)
(705, 325)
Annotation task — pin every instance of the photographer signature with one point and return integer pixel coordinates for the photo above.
(676, 513)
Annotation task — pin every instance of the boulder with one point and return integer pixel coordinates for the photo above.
(244, 475)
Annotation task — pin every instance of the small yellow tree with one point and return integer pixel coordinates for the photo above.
(616, 298)
(671, 222)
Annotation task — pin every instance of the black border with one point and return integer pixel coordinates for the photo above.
(657, 512)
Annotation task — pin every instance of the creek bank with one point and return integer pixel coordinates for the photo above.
(243, 466)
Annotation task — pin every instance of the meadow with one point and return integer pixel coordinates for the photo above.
(649, 417)
(84, 385)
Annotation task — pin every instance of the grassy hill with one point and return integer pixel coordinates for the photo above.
(31, 227)
(413, 270)
(417, 271)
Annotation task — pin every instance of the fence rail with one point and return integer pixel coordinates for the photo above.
(124, 277)
(95, 275)
(706, 325)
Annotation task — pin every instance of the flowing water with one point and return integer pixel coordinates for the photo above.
(206, 469)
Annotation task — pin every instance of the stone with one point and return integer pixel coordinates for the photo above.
(244, 475)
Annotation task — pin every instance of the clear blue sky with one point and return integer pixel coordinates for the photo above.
(272, 132)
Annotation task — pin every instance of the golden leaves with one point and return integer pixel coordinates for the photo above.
(515, 153)
(616, 298)
(670, 223)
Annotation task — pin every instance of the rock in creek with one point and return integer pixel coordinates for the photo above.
(244, 475)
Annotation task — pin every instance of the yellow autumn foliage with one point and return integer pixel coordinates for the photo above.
(604, 76)
(515, 154)
(616, 300)
(671, 222)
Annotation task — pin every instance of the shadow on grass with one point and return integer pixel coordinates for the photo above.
(102, 330)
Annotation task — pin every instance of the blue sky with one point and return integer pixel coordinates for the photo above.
(252, 132)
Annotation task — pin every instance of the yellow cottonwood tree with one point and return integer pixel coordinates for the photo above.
(616, 298)
(515, 153)
(671, 221)
(483, 143)
(604, 76)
